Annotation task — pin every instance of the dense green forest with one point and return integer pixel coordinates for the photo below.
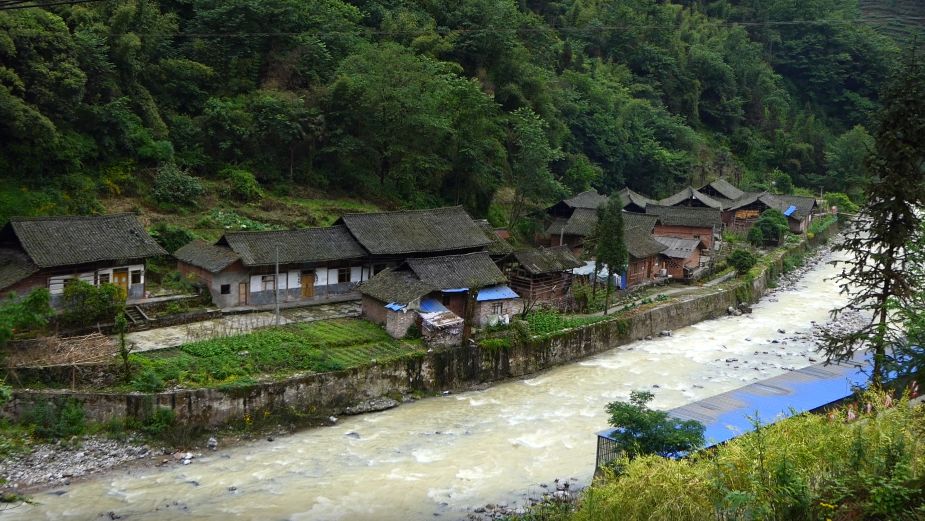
(418, 103)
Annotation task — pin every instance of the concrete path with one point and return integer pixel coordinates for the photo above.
(173, 336)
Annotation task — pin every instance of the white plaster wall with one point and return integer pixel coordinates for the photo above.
(355, 273)
(321, 276)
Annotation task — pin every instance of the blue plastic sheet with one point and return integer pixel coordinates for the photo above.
(500, 292)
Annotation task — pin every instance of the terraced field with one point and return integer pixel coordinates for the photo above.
(276, 352)
(902, 20)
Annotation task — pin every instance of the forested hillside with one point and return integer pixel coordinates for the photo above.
(428, 102)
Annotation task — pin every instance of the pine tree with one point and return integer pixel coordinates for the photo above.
(610, 249)
(876, 275)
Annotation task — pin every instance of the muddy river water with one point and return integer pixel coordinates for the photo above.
(441, 457)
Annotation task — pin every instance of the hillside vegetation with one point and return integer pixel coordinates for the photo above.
(174, 107)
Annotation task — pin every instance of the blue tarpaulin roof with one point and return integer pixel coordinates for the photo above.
(395, 306)
(455, 290)
(432, 305)
(499, 292)
(789, 211)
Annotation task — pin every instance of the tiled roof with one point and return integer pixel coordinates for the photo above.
(589, 199)
(306, 245)
(498, 246)
(687, 194)
(747, 199)
(416, 231)
(678, 248)
(628, 197)
(547, 260)
(72, 240)
(391, 286)
(14, 267)
(803, 204)
(471, 270)
(207, 256)
(582, 222)
(637, 220)
(685, 216)
(640, 243)
(726, 189)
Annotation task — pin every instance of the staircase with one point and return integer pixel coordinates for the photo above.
(135, 315)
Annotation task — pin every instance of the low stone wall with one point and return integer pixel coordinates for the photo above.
(455, 368)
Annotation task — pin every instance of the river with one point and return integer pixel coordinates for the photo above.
(438, 458)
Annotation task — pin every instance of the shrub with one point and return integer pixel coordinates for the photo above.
(51, 420)
(159, 422)
(841, 201)
(171, 237)
(769, 228)
(86, 304)
(642, 431)
(742, 261)
(175, 186)
(148, 382)
(243, 186)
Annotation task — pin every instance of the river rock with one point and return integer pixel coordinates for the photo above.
(665, 333)
(212, 444)
(381, 403)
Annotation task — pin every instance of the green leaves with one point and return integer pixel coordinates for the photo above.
(642, 431)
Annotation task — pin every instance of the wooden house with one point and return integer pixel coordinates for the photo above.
(438, 289)
(542, 275)
(691, 197)
(573, 220)
(723, 192)
(634, 202)
(498, 248)
(645, 265)
(743, 213)
(47, 252)
(682, 257)
(686, 222)
(315, 264)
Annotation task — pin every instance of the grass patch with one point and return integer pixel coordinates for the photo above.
(546, 322)
(314, 347)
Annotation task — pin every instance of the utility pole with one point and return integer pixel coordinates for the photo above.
(276, 284)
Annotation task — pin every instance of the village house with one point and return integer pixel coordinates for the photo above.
(645, 265)
(723, 192)
(391, 237)
(682, 257)
(438, 293)
(742, 214)
(690, 197)
(634, 202)
(498, 248)
(686, 222)
(573, 220)
(315, 264)
(48, 252)
(542, 275)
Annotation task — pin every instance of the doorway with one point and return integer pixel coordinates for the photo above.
(308, 284)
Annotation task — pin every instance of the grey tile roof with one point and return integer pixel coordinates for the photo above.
(589, 199)
(73, 240)
(391, 286)
(805, 205)
(637, 220)
(471, 270)
(628, 197)
(688, 194)
(498, 246)
(547, 260)
(640, 243)
(303, 246)
(14, 267)
(416, 231)
(686, 216)
(726, 189)
(747, 199)
(207, 256)
(581, 222)
(678, 248)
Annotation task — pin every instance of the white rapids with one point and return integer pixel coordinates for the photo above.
(439, 458)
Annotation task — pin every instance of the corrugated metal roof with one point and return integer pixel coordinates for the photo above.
(499, 292)
(678, 248)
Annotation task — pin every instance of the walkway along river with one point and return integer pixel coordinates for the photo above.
(439, 458)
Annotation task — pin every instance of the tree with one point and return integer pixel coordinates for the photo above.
(769, 228)
(29, 312)
(742, 261)
(610, 247)
(529, 155)
(845, 161)
(909, 343)
(877, 274)
(641, 431)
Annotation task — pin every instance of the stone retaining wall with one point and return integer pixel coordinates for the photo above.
(455, 368)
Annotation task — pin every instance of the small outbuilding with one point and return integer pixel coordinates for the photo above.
(683, 257)
(542, 275)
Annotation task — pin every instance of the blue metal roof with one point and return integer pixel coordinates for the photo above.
(432, 305)
(499, 292)
(395, 306)
(789, 211)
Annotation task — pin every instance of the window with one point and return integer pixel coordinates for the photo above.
(497, 308)
(343, 275)
(269, 282)
(226, 289)
(136, 277)
(102, 278)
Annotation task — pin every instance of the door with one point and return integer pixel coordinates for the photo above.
(120, 278)
(308, 284)
(242, 294)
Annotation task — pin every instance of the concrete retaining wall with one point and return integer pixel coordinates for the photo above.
(455, 368)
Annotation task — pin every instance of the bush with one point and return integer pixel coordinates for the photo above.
(148, 382)
(159, 422)
(171, 237)
(86, 304)
(742, 261)
(174, 186)
(769, 228)
(841, 201)
(56, 420)
(642, 431)
(243, 185)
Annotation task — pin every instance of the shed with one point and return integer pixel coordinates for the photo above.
(543, 274)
